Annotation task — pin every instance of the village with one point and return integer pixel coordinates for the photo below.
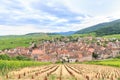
(65, 50)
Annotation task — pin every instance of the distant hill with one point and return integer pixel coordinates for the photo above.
(107, 28)
(40, 33)
(66, 33)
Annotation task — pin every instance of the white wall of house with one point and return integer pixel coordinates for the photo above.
(72, 60)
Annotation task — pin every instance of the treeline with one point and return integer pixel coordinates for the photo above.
(19, 57)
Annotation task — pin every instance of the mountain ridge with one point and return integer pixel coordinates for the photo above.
(102, 26)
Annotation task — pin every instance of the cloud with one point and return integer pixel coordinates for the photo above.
(54, 15)
(94, 7)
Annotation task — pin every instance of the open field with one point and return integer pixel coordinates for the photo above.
(117, 36)
(65, 72)
(108, 62)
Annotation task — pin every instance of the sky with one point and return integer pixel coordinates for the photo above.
(27, 16)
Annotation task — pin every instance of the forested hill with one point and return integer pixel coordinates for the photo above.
(112, 29)
(103, 28)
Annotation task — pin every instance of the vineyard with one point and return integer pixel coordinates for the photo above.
(65, 72)
(7, 66)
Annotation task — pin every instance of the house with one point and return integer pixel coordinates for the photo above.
(44, 58)
(85, 58)
(72, 60)
(36, 53)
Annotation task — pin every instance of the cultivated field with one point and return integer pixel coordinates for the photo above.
(65, 72)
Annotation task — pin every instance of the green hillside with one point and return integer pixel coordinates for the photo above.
(91, 29)
(112, 29)
(12, 41)
(103, 28)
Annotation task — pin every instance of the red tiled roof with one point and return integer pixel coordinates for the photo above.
(102, 48)
(65, 51)
(44, 57)
(37, 51)
(91, 50)
(80, 55)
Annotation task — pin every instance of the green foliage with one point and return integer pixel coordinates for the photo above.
(82, 35)
(19, 57)
(94, 55)
(109, 62)
(91, 29)
(116, 36)
(108, 30)
(5, 57)
(58, 62)
(23, 58)
(118, 57)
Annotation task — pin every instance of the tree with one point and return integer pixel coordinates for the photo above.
(94, 55)
(5, 57)
(22, 58)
